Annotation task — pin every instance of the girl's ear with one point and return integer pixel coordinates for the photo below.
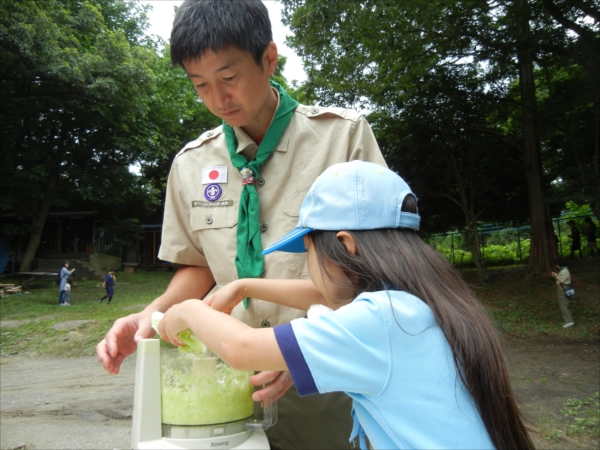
(347, 240)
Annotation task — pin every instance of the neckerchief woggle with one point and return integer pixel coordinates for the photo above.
(249, 260)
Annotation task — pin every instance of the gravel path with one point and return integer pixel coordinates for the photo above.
(51, 403)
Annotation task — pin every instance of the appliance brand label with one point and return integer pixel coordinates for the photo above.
(219, 444)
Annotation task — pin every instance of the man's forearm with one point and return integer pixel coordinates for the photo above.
(188, 282)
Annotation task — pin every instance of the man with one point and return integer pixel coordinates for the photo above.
(239, 187)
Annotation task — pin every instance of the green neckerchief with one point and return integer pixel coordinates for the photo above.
(248, 259)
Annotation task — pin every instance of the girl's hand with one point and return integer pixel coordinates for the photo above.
(174, 323)
(227, 297)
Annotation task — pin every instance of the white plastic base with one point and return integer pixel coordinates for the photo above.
(250, 440)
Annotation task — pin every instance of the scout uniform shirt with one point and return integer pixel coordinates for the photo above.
(203, 192)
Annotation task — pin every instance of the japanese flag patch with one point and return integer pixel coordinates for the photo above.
(214, 174)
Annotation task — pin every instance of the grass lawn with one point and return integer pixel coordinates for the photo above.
(521, 308)
(38, 305)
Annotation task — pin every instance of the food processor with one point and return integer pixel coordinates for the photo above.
(193, 400)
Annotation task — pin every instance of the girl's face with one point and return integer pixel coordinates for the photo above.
(334, 294)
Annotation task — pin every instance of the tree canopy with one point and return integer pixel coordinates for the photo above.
(498, 94)
(86, 96)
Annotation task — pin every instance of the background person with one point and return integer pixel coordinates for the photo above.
(67, 297)
(109, 285)
(406, 339)
(64, 274)
(238, 187)
(563, 281)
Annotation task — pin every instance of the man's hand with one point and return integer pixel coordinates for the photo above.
(278, 384)
(121, 340)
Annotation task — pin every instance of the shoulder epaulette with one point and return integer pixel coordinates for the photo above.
(202, 139)
(315, 112)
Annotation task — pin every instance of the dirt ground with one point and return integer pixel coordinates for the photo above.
(72, 403)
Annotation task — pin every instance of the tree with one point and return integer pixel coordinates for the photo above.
(455, 158)
(73, 79)
(377, 52)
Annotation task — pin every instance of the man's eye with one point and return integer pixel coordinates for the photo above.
(229, 78)
(200, 86)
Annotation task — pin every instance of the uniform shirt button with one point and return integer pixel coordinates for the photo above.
(314, 111)
(265, 324)
(264, 227)
(209, 134)
(209, 220)
(261, 181)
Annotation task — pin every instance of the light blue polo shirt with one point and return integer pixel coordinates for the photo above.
(387, 352)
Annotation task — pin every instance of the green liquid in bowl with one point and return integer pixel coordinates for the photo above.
(202, 392)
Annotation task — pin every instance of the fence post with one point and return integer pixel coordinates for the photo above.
(482, 246)
(452, 247)
(519, 254)
(559, 240)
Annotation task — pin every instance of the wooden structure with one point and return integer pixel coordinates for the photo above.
(6, 289)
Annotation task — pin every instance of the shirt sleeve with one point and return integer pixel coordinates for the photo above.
(363, 145)
(564, 276)
(332, 351)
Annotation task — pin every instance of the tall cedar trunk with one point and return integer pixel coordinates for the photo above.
(542, 249)
(596, 204)
(37, 225)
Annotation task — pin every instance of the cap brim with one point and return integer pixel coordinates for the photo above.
(291, 242)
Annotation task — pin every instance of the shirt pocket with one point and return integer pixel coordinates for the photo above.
(213, 217)
(292, 204)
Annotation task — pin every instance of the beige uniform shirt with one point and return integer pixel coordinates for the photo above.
(199, 232)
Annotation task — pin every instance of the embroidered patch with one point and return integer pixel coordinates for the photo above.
(213, 192)
(214, 174)
(198, 203)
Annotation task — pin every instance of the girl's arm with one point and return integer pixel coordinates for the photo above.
(240, 346)
(299, 294)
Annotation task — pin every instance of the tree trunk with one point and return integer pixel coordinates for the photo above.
(37, 225)
(466, 203)
(541, 250)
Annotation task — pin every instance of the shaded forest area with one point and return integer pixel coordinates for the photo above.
(489, 109)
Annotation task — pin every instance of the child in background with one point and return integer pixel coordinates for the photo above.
(67, 297)
(399, 331)
(563, 281)
(109, 283)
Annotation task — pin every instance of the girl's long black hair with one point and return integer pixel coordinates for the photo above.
(398, 258)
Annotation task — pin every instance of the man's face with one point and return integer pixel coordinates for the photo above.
(234, 87)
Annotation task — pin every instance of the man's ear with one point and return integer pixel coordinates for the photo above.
(347, 240)
(271, 58)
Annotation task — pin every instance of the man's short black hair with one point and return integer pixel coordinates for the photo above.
(214, 25)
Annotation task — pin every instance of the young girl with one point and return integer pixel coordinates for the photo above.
(403, 336)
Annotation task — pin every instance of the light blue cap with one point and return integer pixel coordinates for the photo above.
(354, 195)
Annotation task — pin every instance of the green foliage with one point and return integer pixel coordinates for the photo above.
(585, 414)
(454, 106)
(74, 78)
